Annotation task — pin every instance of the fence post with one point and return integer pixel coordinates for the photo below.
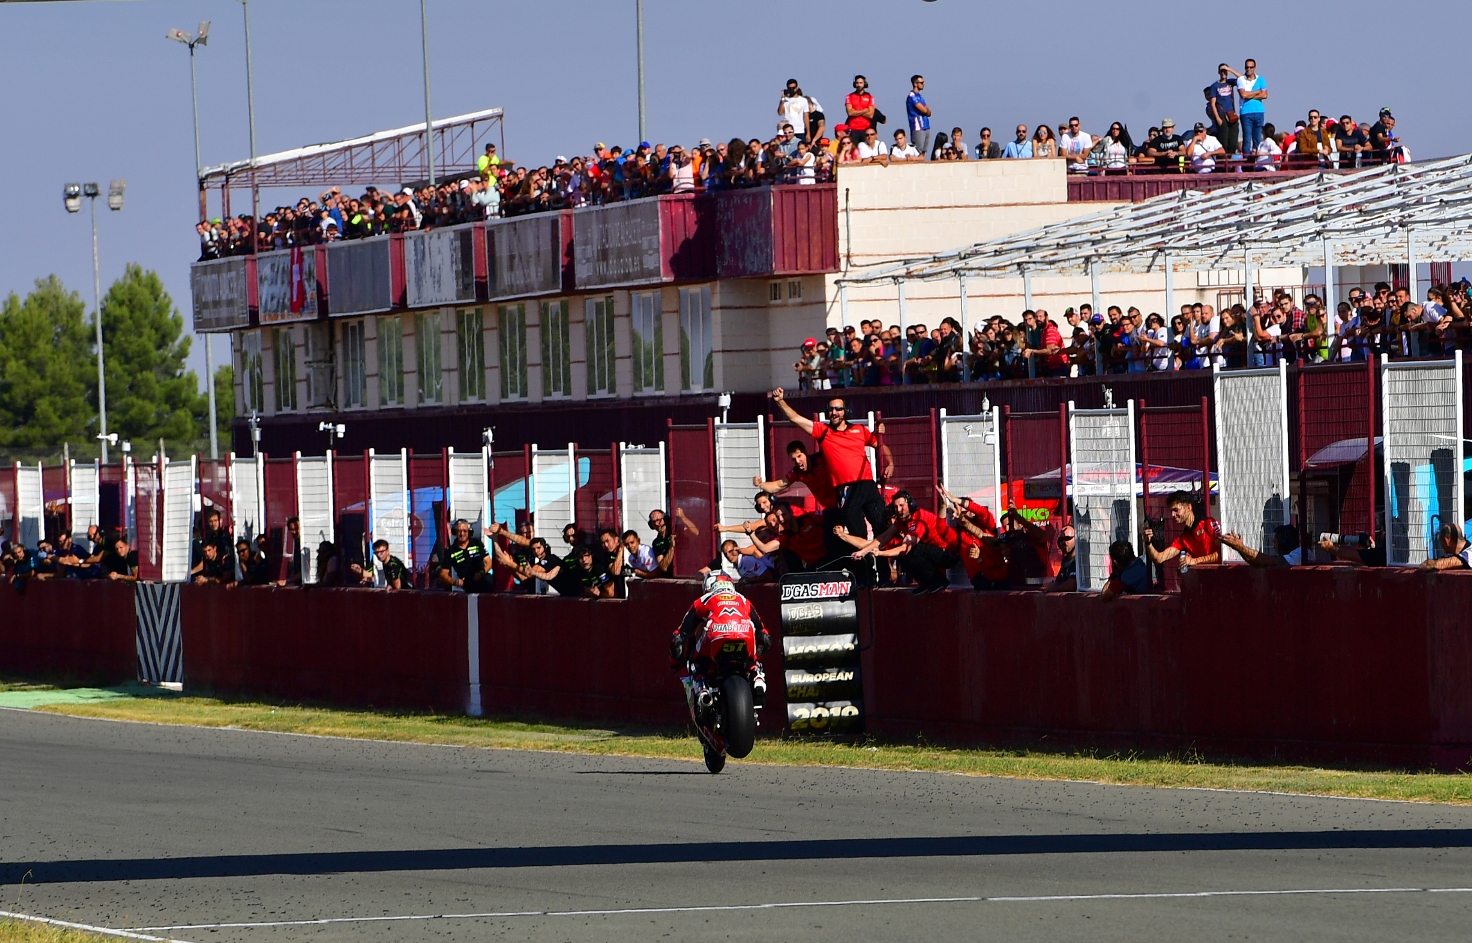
(1145, 490)
(714, 547)
(1206, 455)
(618, 517)
(1064, 515)
(1007, 433)
(1303, 521)
(934, 464)
(1370, 442)
(526, 487)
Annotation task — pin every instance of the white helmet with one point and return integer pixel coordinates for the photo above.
(715, 578)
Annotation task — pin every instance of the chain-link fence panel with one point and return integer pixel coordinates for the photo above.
(1255, 489)
(1102, 443)
(1423, 456)
(971, 458)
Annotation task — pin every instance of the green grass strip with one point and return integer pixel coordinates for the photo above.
(1134, 769)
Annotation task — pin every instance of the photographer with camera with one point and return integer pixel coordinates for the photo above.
(1200, 540)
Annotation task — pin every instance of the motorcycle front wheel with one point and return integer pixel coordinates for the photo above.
(740, 716)
(715, 762)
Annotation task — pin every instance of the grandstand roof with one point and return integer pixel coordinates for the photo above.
(1362, 218)
(395, 155)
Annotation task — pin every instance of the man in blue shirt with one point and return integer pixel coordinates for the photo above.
(919, 114)
(1253, 90)
(1019, 148)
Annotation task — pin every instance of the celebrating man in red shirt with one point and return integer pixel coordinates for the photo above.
(1200, 541)
(807, 469)
(924, 544)
(844, 444)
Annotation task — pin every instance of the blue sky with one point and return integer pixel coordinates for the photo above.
(95, 91)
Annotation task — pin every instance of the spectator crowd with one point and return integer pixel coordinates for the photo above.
(805, 149)
(1382, 321)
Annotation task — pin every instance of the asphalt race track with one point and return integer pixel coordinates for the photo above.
(224, 835)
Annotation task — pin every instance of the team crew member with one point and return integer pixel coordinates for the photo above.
(663, 544)
(387, 572)
(809, 469)
(924, 545)
(843, 444)
(800, 540)
(982, 553)
(1199, 543)
(466, 565)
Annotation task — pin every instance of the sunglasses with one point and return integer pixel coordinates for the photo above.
(655, 521)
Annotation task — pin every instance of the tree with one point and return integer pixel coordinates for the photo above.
(149, 393)
(46, 368)
(224, 403)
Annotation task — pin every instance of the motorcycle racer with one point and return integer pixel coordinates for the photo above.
(721, 605)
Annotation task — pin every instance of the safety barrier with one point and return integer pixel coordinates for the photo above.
(69, 629)
(1318, 664)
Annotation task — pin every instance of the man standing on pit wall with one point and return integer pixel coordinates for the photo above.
(844, 444)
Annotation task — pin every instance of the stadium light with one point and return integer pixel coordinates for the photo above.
(72, 195)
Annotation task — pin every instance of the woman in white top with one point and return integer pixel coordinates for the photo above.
(1115, 148)
(1043, 142)
(1269, 154)
(805, 163)
(1204, 150)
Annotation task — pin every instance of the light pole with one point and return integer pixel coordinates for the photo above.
(72, 198)
(201, 38)
(639, 20)
(250, 106)
(428, 120)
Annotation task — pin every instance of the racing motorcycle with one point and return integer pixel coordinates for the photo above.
(719, 693)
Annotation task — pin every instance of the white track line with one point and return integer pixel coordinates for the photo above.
(128, 934)
(877, 902)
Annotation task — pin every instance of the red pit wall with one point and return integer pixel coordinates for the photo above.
(1322, 664)
(69, 629)
(602, 660)
(347, 647)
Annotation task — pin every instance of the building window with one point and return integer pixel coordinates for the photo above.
(470, 345)
(252, 373)
(556, 360)
(354, 365)
(774, 292)
(391, 360)
(511, 340)
(697, 361)
(427, 357)
(598, 327)
(283, 350)
(794, 290)
(646, 335)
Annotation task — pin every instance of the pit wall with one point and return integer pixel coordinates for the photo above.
(1318, 664)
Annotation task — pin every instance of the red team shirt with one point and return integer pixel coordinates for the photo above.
(993, 562)
(1203, 538)
(926, 527)
(818, 480)
(844, 452)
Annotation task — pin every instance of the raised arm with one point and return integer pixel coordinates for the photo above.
(779, 396)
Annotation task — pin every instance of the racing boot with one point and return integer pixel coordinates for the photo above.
(758, 686)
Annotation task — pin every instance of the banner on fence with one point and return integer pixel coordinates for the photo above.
(820, 653)
(359, 277)
(525, 255)
(220, 293)
(439, 266)
(286, 285)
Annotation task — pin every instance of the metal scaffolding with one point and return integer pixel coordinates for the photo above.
(396, 156)
(1421, 212)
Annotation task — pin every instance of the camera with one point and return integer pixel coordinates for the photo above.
(1346, 540)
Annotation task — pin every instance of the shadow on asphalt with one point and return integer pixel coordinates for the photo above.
(466, 859)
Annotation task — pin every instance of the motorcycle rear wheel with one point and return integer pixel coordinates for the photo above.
(740, 716)
(715, 762)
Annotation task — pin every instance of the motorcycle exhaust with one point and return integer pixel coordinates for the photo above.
(706, 700)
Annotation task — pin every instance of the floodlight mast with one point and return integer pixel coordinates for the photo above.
(200, 38)
(71, 196)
